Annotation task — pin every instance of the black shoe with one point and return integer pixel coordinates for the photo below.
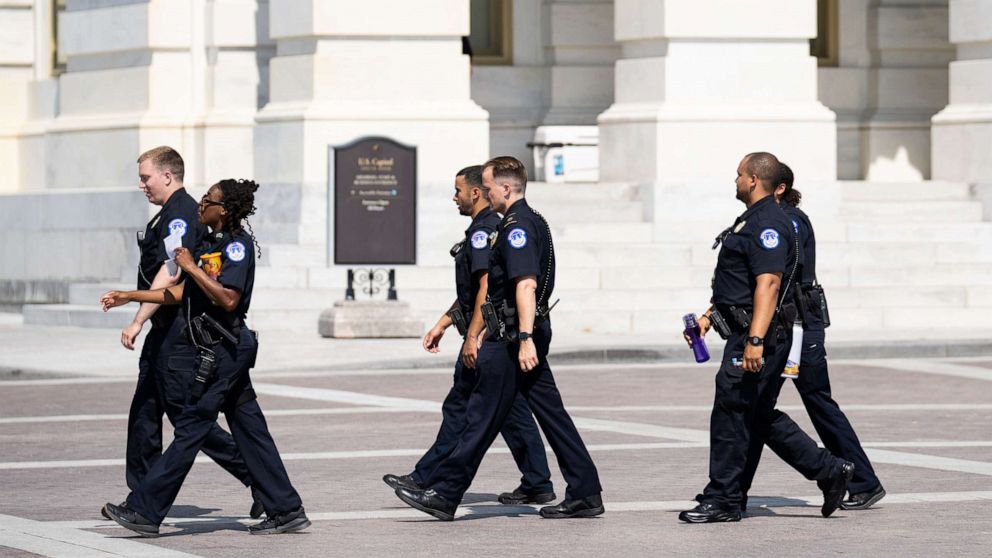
(709, 513)
(583, 507)
(289, 522)
(836, 487)
(863, 500)
(401, 481)
(429, 502)
(519, 497)
(130, 519)
(103, 510)
(257, 509)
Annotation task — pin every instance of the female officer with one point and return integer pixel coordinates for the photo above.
(213, 346)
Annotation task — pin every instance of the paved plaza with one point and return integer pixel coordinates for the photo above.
(340, 427)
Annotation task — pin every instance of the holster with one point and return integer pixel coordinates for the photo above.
(720, 324)
(491, 318)
(459, 320)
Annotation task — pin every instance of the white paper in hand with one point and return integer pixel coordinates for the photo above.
(173, 241)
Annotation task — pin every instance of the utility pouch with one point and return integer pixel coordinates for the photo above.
(818, 301)
(788, 314)
(494, 325)
(206, 369)
(459, 321)
(719, 324)
(741, 316)
(509, 321)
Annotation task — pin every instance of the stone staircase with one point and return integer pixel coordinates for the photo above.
(905, 258)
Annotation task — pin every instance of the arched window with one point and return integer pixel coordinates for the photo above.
(824, 46)
(491, 37)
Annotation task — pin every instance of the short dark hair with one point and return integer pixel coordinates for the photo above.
(508, 167)
(790, 196)
(473, 175)
(765, 166)
(165, 158)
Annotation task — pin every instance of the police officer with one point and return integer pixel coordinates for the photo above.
(214, 348)
(754, 274)
(159, 389)
(513, 359)
(813, 381)
(471, 280)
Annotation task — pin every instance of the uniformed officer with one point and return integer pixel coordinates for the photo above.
(754, 274)
(471, 281)
(214, 348)
(813, 382)
(160, 389)
(513, 359)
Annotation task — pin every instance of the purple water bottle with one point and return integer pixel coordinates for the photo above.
(699, 349)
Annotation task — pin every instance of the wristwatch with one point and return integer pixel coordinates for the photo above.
(755, 341)
(523, 336)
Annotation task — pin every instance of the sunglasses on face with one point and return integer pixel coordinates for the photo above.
(208, 203)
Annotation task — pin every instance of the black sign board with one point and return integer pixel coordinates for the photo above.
(374, 189)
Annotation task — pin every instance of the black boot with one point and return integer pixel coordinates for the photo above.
(836, 487)
(710, 513)
(401, 481)
(863, 500)
(584, 507)
(130, 519)
(289, 522)
(518, 497)
(429, 502)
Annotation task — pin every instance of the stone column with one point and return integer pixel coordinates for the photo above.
(702, 82)
(17, 36)
(581, 54)
(962, 132)
(151, 72)
(348, 69)
(890, 79)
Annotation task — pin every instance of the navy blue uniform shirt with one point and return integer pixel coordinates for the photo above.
(237, 271)
(473, 257)
(523, 247)
(760, 241)
(179, 213)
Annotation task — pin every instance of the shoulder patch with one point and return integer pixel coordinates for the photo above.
(769, 239)
(236, 251)
(517, 238)
(177, 225)
(479, 240)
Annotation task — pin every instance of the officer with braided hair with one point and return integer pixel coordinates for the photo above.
(214, 346)
(756, 272)
(514, 359)
(161, 389)
(813, 382)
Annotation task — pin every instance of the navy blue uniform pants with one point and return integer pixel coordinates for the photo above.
(500, 380)
(156, 493)
(743, 411)
(519, 432)
(162, 388)
(829, 421)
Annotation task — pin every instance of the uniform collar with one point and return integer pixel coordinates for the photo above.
(173, 199)
(479, 218)
(519, 204)
(770, 199)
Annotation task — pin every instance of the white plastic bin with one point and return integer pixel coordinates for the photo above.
(566, 154)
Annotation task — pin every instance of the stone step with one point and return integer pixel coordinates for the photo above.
(77, 315)
(558, 212)
(88, 294)
(928, 211)
(545, 193)
(861, 191)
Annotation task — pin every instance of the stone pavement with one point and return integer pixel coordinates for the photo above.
(924, 422)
